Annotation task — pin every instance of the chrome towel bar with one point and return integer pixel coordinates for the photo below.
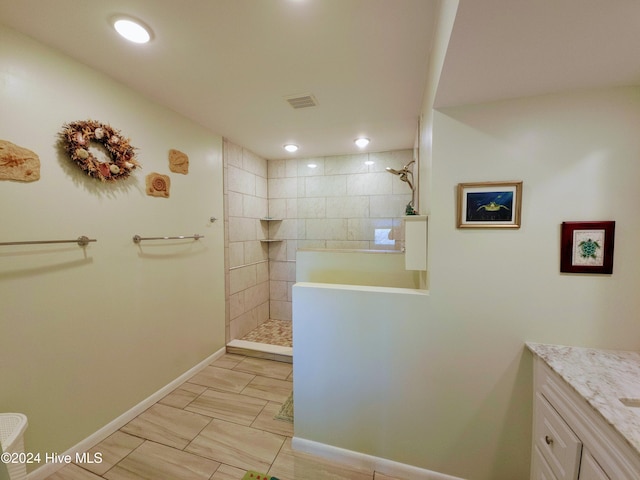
(138, 238)
(81, 241)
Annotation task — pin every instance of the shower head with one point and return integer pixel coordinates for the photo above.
(405, 170)
(404, 176)
(404, 173)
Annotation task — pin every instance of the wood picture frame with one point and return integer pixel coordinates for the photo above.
(489, 204)
(587, 247)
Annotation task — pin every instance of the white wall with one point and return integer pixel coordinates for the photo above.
(443, 26)
(359, 369)
(450, 371)
(491, 290)
(577, 155)
(87, 334)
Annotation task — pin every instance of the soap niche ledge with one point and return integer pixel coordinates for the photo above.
(270, 219)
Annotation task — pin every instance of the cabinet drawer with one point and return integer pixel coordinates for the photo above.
(540, 469)
(556, 441)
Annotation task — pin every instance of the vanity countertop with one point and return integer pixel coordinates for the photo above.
(602, 378)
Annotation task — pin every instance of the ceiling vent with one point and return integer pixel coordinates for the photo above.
(302, 101)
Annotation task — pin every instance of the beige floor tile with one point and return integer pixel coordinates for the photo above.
(215, 433)
(222, 379)
(266, 368)
(236, 445)
(227, 472)
(73, 472)
(269, 389)
(183, 395)
(112, 449)
(290, 465)
(152, 461)
(167, 425)
(228, 360)
(266, 421)
(233, 407)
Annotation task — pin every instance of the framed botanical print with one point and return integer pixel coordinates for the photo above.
(489, 205)
(587, 247)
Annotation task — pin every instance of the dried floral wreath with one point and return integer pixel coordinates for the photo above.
(76, 138)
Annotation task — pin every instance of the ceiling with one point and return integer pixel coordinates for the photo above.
(503, 49)
(230, 64)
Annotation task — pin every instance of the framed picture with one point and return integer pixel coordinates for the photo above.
(587, 247)
(489, 205)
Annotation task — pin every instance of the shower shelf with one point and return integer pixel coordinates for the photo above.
(270, 219)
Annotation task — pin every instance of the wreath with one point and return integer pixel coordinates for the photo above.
(76, 138)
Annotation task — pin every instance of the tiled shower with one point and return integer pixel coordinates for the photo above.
(274, 207)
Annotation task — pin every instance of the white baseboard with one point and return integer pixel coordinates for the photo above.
(95, 438)
(363, 461)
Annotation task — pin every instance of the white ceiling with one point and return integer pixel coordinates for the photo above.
(229, 64)
(503, 49)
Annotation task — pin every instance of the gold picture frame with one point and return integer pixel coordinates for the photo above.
(489, 204)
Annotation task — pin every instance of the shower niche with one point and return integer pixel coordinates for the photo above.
(267, 221)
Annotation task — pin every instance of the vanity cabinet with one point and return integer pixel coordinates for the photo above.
(556, 443)
(589, 468)
(571, 440)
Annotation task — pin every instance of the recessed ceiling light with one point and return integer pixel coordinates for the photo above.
(290, 147)
(312, 165)
(361, 142)
(133, 30)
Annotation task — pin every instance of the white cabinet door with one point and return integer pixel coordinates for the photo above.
(555, 440)
(589, 468)
(540, 469)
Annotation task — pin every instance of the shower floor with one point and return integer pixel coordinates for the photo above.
(272, 340)
(273, 332)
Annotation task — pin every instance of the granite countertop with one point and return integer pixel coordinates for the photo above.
(602, 378)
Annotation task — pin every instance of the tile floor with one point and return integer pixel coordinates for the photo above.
(216, 426)
(273, 332)
(272, 340)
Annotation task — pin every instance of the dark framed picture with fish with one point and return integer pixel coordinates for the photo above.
(489, 205)
(587, 247)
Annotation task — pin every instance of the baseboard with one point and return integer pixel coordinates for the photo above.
(49, 468)
(368, 462)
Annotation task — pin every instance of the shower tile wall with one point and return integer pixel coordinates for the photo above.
(339, 204)
(246, 258)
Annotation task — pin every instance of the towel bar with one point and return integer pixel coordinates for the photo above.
(82, 241)
(138, 238)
